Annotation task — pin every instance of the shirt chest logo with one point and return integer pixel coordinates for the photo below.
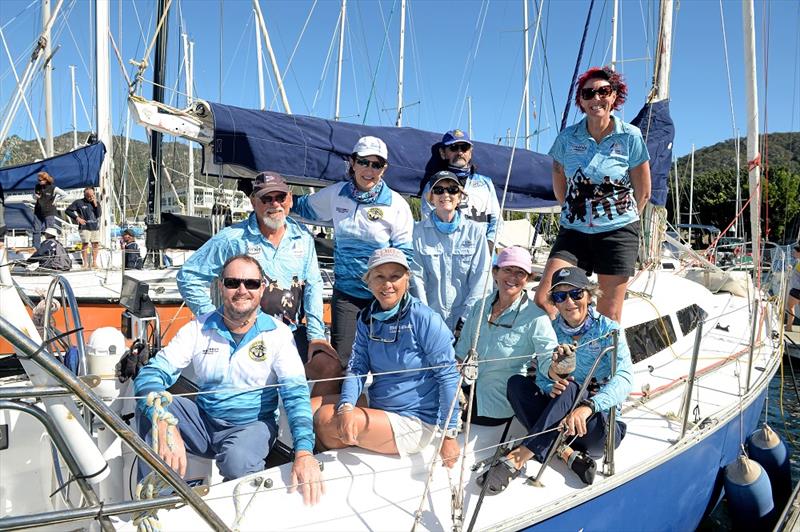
(578, 148)
(211, 351)
(617, 149)
(342, 210)
(297, 250)
(253, 251)
(375, 214)
(257, 351)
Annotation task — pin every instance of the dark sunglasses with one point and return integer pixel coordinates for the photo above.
(460, 147)
(366, 163)
(268, 199)
(452, 190)
(576, 294)
(233, 283)
(516, 314)
(604, 92)
(385, 340)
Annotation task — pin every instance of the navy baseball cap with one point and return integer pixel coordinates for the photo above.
(456, 135)
(572, 276)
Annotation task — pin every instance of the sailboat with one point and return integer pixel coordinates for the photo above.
(702, 366)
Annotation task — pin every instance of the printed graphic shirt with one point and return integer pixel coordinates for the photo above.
(359, 229)
(235, 373)
(479, 205)
(599, 195)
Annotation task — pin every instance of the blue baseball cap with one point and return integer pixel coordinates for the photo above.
(455, 135)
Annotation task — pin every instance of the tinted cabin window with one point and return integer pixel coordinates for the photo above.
(650, 337)
(689, 317)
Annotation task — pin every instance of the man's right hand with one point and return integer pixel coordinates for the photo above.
(80, 220)
(175, 457)
(347, 427)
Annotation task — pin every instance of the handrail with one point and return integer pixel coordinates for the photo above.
(608, 461)
(26, 348)
(687, 402)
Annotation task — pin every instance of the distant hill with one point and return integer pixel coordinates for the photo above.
(784, 152)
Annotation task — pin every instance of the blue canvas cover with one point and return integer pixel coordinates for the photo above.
(656, 125)
(19, 217)
(76, 169)
(303, 146)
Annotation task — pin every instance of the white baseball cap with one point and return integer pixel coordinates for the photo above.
(52, 231)
(371, 146)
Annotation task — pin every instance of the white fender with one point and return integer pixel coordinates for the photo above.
(62, 410)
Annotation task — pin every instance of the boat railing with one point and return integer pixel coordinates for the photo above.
(687, 399)
(72, 385)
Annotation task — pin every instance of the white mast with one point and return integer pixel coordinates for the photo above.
(527, 97)
(753, 155)
(48, 79)
(614, 24)
(677, 192)
(342, 18)
(275, 70)
(103, 112)
(188, 63)
(691, 193)
(259, 57)
(400, 64)
(74, 109)
(665, 53)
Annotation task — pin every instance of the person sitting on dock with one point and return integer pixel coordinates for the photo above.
(285, 250)
(409, 350)
(51, 254)
(546, 402)
(239, 355)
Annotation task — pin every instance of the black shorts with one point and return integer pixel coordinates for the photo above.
(795, 293)
(610, 253)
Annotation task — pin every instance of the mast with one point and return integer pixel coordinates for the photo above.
(154, 171)
(526, 99)
(342, 17)
(691, 193)
(677, 192)
(103, 117)
(74, 109)
(614, 24)
(259, 57)
(47, 67)
(753, 156)
(661, 82)
(188, 61)
(275, 70)
(400, 64)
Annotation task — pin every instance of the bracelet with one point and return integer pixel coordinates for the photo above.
(344, 407)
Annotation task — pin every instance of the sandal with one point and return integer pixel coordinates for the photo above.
(499, 476)
(583, 466)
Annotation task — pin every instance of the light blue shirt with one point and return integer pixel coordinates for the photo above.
(505, 351)
(451, 269)
(599, 195)
(293, 262)
(479, 204)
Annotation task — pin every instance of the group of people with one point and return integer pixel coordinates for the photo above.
(411, 301)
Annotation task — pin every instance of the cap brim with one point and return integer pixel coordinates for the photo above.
(257, 193)
(367, 153)
(574, 285)
(457, 141)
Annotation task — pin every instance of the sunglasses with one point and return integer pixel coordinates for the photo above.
(460, 147)
(576, 294)
(233, 283)
(604, 92)
(385, 340)
(366, 163)
(452, 190)
(513, 321)
(268, 199)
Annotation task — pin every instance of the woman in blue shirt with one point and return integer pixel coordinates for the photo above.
(601, 177)
(451, 255)
(395, 335)
(546, 402)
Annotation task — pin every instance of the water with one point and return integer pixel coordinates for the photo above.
(785, 421)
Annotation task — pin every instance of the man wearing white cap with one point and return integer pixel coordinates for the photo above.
(51, 254)
(284, 249)
(366, 215)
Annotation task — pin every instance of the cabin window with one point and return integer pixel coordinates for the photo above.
(650, 337)
(689, 317)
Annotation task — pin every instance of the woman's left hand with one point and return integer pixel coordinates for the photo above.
(450, 451)
(575, 423)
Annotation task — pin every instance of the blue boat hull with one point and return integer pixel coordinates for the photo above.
(675, 495)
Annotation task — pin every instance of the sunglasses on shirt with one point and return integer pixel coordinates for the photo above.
(233, 283)
(575, 294)
(452, 190)
(604, 92)
(460, 147)
(366, 163)
(269, 199)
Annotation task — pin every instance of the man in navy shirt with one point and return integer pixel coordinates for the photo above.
(86, 213)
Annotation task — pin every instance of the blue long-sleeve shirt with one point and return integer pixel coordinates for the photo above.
(480, 203)
(234, 373)
(422, 341)
(292, 268)
(614, 389)
(360, 229)
(451, 270)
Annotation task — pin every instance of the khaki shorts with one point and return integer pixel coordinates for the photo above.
(89, 236)
(411, 434)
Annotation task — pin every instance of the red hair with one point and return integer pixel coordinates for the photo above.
(614, 78)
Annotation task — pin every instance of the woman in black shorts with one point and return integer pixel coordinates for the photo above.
(601, 176)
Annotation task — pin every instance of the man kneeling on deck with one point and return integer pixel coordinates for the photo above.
(239, 354)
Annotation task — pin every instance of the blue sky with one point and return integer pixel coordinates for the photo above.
(453, 50)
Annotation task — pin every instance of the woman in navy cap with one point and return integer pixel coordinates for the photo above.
(546, 401)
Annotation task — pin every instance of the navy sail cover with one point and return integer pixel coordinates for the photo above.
(307, 147)
(77, 169)
(658, 130)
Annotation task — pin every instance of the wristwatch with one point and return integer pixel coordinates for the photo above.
(344, 407)
(589, 403)
(450, 433)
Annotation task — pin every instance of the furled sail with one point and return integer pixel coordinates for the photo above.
(656, 125)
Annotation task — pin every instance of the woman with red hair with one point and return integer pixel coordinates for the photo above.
(601, 177)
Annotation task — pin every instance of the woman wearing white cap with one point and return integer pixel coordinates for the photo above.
(451, 255)
(512, 330)
(395, 333)
(366, 215)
